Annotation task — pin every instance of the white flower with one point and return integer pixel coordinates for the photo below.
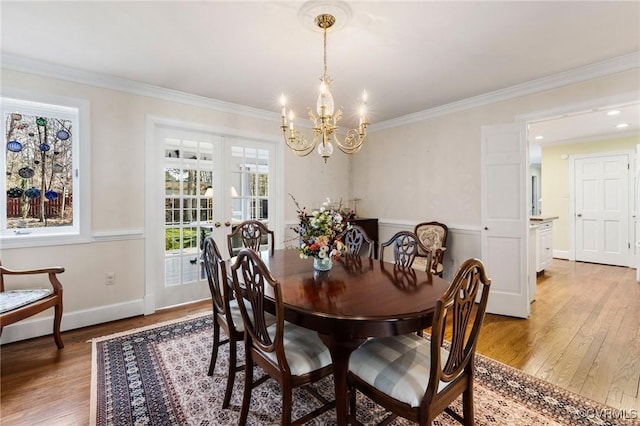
(322, 254)
(322, 208)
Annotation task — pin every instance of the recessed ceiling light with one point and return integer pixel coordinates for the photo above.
(614, 112)
(622, 125)
(539, 137)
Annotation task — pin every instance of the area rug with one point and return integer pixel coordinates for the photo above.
(158, 376)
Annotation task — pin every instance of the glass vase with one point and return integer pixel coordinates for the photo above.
(319, 265)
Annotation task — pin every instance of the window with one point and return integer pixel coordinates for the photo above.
(44, 195)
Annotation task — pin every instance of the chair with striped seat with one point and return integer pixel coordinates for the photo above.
(226, 313)
(292, 355)
(418, 378)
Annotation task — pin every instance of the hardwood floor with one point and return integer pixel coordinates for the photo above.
(583, 335)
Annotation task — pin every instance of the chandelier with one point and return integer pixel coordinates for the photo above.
(325, 119)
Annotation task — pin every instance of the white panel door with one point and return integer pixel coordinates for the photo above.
(602, 209)
(504, 214)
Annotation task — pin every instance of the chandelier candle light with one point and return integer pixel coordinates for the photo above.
(325, 123)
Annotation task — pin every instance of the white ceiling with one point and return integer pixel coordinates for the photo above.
(410, 56)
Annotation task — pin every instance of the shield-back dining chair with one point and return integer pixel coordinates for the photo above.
(252, 234)
(354, 238)
(418, 378)
(292, 355)
(226, 314)
(405, 245)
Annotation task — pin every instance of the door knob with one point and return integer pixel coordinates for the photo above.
(579, 215)
(486, 229)
(217, 224)
(227, 223)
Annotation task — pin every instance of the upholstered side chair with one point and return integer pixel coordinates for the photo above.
(433, 235)
(18, 304)
(418, 378)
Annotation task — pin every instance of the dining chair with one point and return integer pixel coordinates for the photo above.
(418, 378)
(405, 246)
(433, 235)
(354, 238)
(18, 304)
(226, 313)
(251, 234)
(292, 355)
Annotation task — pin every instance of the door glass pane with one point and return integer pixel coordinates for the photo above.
(188, 207)
(249, 183)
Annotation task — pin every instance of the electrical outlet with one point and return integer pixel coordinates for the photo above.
(111, 278)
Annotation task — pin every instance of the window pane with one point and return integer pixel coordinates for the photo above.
(190, 182)
(39, 170)
(172, 179)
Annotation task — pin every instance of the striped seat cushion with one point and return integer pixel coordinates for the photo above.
(14, 299)
(303, 348)
(236, 316)
(398, 366)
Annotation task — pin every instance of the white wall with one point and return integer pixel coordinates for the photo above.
(428, 170)
(117, 199)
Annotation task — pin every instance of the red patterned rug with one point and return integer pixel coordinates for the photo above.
(158, 376)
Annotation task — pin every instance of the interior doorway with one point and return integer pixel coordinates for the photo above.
(588, 129)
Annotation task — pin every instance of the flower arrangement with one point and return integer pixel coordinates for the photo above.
(321, 233)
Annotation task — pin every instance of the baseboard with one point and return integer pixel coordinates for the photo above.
(561, 254)
(42, 326)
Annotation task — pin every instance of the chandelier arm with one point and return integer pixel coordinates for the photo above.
(297, 142)
(353, 141)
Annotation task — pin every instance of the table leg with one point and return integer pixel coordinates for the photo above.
(340, 352)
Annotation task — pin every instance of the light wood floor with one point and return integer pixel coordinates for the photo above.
(583, 335)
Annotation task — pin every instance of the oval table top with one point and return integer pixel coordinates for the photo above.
(360, 296)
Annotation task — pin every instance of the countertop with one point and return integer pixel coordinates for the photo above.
(540, 219)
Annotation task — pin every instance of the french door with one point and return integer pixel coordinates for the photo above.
(211, 182)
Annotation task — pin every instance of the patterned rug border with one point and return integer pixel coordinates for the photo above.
(93, 397)
(562, 406)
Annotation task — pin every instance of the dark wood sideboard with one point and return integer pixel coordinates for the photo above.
(370, 226)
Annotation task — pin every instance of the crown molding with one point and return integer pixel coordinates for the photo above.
(105, 81)
(576, 75)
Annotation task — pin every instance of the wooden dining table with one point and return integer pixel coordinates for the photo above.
(357, 299)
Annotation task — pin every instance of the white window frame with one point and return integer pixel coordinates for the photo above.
(15, 100)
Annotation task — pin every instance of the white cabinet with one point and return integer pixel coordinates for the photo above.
(544, 245)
